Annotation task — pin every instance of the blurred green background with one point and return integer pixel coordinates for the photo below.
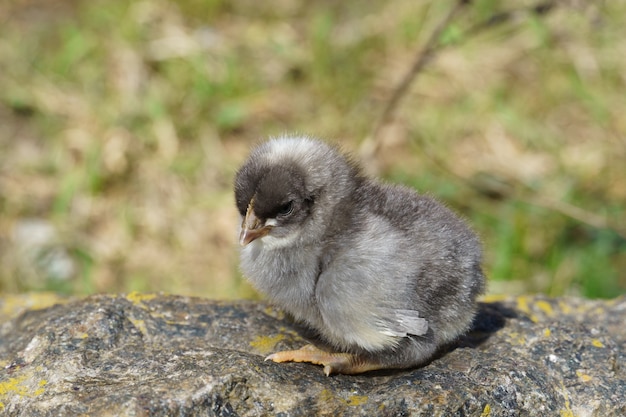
(122, 124)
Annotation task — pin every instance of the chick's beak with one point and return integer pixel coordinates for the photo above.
(251, 227)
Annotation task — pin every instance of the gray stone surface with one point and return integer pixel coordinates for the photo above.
(161, 355)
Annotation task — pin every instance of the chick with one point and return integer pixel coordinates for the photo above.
(384, 276)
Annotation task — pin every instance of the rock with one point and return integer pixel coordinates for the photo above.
(163, 355)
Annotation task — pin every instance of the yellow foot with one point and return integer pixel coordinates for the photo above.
(334, 363)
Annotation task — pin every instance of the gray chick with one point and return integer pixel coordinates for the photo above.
(384, 276)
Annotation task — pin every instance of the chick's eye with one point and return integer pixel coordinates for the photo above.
(286, 209)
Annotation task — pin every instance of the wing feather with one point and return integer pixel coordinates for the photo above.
(404, 323)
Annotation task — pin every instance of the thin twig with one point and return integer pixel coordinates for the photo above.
(371, 145)
(420, 61)
(579, 214)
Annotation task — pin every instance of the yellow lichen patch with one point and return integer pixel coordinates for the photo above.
(547, 332)
(583, 376)
(41, 388)
(567, 412)
(14, 385)
(522, 304)
(12, 305)
(19, 386)
(486, 411)
(597, 343)
(266, 344)
(326, 396)
(493, 298)
(545, 307)
(140, 325)
(357, 400)
(565, 308)
(274, 312)
(517, 338)
(137, 298)
(285, 330)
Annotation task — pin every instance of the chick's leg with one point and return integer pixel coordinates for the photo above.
(334, 363)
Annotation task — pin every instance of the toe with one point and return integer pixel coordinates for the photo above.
(334, 363)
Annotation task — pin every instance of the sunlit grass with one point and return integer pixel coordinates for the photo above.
(122, 124)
